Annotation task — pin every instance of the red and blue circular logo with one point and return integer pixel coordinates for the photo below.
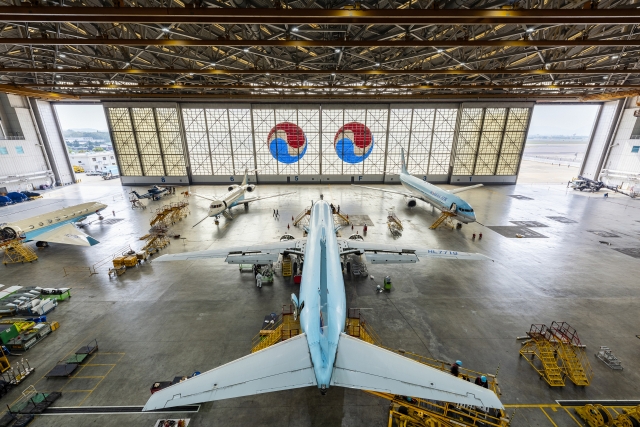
(353, 142)
(287, 142)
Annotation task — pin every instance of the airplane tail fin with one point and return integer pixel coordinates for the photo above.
(403, 162)
(365, 366)
(282, 366)
(246, 177)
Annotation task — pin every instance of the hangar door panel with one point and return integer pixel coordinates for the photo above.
(124, 141)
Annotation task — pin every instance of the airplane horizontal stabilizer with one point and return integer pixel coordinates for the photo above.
(67, 234)
(282, 366)
(365, 366)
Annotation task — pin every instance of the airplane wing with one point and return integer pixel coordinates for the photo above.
(382, 253)
(365, 366)
(282, 366)
(68, 235)
(241, 254)
(461, 189)
(203, 197)
(253, 199)
(386, 191)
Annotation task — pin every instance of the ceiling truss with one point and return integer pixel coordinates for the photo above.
(442, 49)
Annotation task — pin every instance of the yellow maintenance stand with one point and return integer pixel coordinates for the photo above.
(556, 353)
(403, 410)
(17, 252)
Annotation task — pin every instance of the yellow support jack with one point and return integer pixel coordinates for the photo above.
(445, 217)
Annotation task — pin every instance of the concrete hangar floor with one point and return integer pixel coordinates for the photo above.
(162, 320)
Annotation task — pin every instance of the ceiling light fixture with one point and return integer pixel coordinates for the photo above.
(165, 30)
(377, 64)
(333, 74)
(615, 57)
(337, 50)
(440, 50)
(530, 30)
(62, 55)
(246, 49)
(294, 29)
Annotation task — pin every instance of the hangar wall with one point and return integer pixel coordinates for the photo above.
(311, 142)
(26, 153)
(621, 164)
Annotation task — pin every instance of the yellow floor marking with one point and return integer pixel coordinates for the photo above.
(574, 418)
(554, 409)
(99, 382)
(547, 415)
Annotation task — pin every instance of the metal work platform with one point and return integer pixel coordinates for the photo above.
(556, 353)
(17, 252)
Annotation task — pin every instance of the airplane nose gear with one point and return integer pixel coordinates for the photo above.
(323, 389)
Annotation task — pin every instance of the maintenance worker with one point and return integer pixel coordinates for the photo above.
(482, 381)
(455, 368)
(259, 280)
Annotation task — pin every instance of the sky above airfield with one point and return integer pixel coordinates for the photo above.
(563, 119)
(82, 117)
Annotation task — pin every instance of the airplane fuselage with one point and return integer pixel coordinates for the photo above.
(438, 197)
(37, 225)
(228, 200)
(323, 315)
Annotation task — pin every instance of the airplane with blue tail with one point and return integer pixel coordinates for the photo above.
(445, 201)
(323, 355)
(54, 227)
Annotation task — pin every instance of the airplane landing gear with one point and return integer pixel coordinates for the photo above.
(216, 221)
(459, 225)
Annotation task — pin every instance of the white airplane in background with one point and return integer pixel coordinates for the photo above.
(444, 200)
(56, 226)
(236, 196)
(323, 356)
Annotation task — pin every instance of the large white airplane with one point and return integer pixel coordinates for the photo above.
(445, 201)
(56, 226)
(235, 196)
(323, 355)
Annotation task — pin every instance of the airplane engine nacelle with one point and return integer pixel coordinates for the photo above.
(9, 233)
(250, 188)
(232, 187)
(412, 203)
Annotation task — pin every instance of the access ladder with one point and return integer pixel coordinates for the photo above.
(444, 216)
(570, 351)
(541, 347)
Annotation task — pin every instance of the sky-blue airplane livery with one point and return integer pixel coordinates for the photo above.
(443, 200)
(56, 226)
(323, 355)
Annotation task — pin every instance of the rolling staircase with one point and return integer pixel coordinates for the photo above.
(541, 347)
(575, 362)
(444, 216)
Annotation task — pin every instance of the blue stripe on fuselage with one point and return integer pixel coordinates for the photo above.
(31, 235)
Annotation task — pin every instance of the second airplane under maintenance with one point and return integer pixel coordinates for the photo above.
(446, 201)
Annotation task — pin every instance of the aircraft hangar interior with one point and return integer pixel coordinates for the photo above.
(418, 213)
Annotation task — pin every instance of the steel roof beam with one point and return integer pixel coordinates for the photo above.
(319, 16)
(318, 43)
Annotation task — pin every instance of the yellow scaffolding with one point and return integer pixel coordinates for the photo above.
(17, 252)
(571, 354)
(541, 347)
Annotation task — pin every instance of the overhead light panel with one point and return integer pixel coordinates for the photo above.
(294, 29)
(246, 49)
(377, 64)
(440, 50)
(62, 55)
(530, 30)
(337, 50)
(615, 57)
(165, 30)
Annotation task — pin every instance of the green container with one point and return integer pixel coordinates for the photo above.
(8, 334)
